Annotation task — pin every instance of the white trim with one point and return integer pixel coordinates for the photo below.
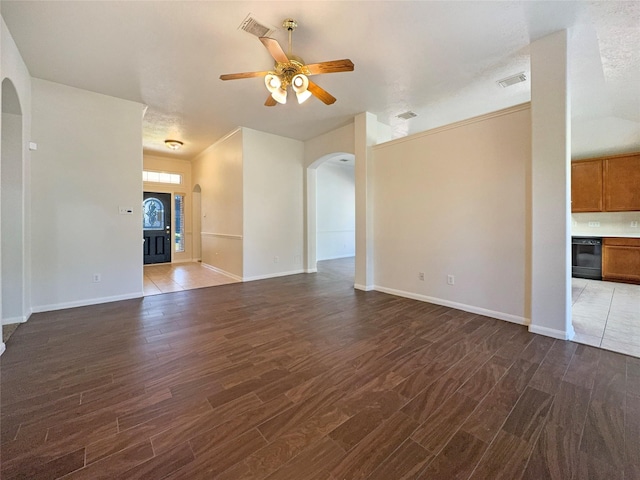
(2, 348)
(552, 332)
(364, 288)
(220, 235)
(222, 272)
(184, 260)
(85, 303)
(311, 270)
(348, 255)
(271, 275)
(458, 306)
(12, 320)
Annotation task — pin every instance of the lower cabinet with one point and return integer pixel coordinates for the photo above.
(621, 260)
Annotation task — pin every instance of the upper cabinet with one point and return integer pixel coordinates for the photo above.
(607, 184)
(622, 183)
(586, 186)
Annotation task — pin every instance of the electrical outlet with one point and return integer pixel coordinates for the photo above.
(634, 224)
(276, 259)
(97, 278)
(451, 280)
(594, 224)
(421, 276)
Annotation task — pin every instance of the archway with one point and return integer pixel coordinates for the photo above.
(332, 237)
(12, 207)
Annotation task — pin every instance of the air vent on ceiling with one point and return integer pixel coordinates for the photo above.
(407, 115)
(512, 80)
(254, 27)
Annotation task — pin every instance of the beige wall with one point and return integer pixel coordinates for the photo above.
(273, 205)
(88, 164)
(182, 167)
(452, 201)
(218, 171)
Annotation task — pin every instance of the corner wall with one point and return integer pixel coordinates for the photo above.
(273, 205)
(88, 164)
(218, 171)
(452, 201)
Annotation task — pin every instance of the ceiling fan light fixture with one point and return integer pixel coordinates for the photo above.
(280, 95)
(272, 82)
(173, 144)
(300, 85)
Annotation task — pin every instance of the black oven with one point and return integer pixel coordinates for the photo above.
(586, 257)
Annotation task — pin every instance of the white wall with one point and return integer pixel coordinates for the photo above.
(273, 205)
(335, 211)
(610, 224)
(452, 201)
(218, 171)
(13, 69)
(182, 167)
(12, 219)
(88, 163)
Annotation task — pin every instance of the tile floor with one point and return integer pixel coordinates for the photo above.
(607, 315)
(167, 277)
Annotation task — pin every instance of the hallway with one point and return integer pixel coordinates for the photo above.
(175, 277)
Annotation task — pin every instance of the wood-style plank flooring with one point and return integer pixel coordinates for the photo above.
(305, 378)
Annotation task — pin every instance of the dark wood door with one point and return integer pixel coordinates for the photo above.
(156, 225)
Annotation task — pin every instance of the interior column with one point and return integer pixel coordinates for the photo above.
(551, 187)
(365, 137)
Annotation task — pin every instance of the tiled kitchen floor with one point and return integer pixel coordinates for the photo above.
(607, 315)
(173, 277)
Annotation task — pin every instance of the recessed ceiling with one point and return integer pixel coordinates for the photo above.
(440, 60)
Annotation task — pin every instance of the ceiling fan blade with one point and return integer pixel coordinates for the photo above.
(331, 66)
(321, 93)
(236, 76)
(271, 102)
(274, 49)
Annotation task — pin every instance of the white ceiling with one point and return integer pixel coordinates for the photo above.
(439, 59)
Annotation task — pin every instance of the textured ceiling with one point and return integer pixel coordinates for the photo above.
(440, 60)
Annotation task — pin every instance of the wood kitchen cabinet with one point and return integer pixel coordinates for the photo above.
(586, 186)
(621, 260)
(607, 184)
(622, 183)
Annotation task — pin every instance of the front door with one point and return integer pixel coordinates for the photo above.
(156, 224)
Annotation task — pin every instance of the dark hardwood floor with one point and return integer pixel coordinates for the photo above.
(305, 378)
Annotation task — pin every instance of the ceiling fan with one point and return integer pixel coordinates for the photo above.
(291, 70)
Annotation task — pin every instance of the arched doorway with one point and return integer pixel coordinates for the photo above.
(330, 208)
(12, 211)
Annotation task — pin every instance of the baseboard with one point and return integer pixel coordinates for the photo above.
(12, 320)
(311, 270)
(552, 332)
(364, 288)
(272, 275)
(458, 306)
(349, 255)
(222, 272)
(2, 348)
(85, 303)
